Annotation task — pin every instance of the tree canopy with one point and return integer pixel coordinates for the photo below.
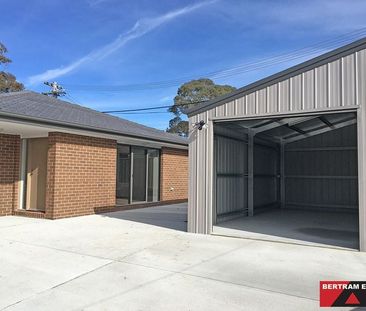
(190, 94)
(8, 82)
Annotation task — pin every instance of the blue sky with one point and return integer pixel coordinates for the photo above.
(116, 42)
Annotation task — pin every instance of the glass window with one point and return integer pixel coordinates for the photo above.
(153, 175)
(139, 174)
(123, 174)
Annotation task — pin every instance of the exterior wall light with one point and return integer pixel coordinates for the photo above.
(200, 125)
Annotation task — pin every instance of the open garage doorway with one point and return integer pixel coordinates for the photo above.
(288, 179)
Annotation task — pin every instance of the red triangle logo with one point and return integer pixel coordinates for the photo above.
(352, 300)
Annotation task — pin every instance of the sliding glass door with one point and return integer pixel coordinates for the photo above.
(138, 176)
(153, 165)
(123, 174)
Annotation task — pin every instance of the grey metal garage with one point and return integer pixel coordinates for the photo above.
(284, 157)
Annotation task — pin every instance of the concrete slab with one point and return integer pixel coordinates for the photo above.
(291, 269)
(114, 262)
(184, 251)
(296, 226)
(96, 235)
(182, 292)
(92, 288)
(26, 270)
(17, 221)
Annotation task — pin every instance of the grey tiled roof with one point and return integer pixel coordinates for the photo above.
(42, 108)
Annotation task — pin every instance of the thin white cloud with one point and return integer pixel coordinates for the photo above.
(93, 3)
(166, 99)
(140, 28)
(289, 17)
(326, 15)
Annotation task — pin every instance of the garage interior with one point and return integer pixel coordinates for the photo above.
(288, 179)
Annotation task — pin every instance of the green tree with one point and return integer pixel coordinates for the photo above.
(190, 94)
(8, 82)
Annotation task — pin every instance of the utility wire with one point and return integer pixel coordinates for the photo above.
(293, 55)
(150, 112)
(265, 63)
(300, 53)
(244, 68)
(153, 108)
(70, 98)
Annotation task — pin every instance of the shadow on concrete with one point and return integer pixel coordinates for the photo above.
(329, 228)
(334, 234)
(173, 216)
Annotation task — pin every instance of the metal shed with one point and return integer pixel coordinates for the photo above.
(284, 157)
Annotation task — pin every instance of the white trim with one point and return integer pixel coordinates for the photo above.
(22, 175)
(121, 139)
(361, 119)
(210, 171)
(146, 175)
(284, 114)
(131, 175)
(250, 173)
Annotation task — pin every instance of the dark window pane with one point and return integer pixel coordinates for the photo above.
(139, 175)
(123, 173)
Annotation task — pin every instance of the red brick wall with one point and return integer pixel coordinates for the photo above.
(9, 173)
(81, 175)
(173, 174)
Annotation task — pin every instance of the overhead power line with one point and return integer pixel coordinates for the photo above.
(152, 108)
(138, 109)
(149, 109)
(150, 112)
(243, 68)
(250, 66)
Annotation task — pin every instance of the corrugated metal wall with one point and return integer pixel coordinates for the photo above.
(321, 171)
(231, 177)
(328, 86)
(336, 85)
(266, 178)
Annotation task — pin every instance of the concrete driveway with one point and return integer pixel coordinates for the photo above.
(143, 260)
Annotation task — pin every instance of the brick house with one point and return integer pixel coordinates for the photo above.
(59, 159)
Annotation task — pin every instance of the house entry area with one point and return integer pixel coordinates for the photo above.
(33, 174)
(288, 179)
(138, 175)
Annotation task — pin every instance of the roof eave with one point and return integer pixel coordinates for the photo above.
(16, 117)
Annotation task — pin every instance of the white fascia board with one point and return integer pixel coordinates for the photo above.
(41, 130)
